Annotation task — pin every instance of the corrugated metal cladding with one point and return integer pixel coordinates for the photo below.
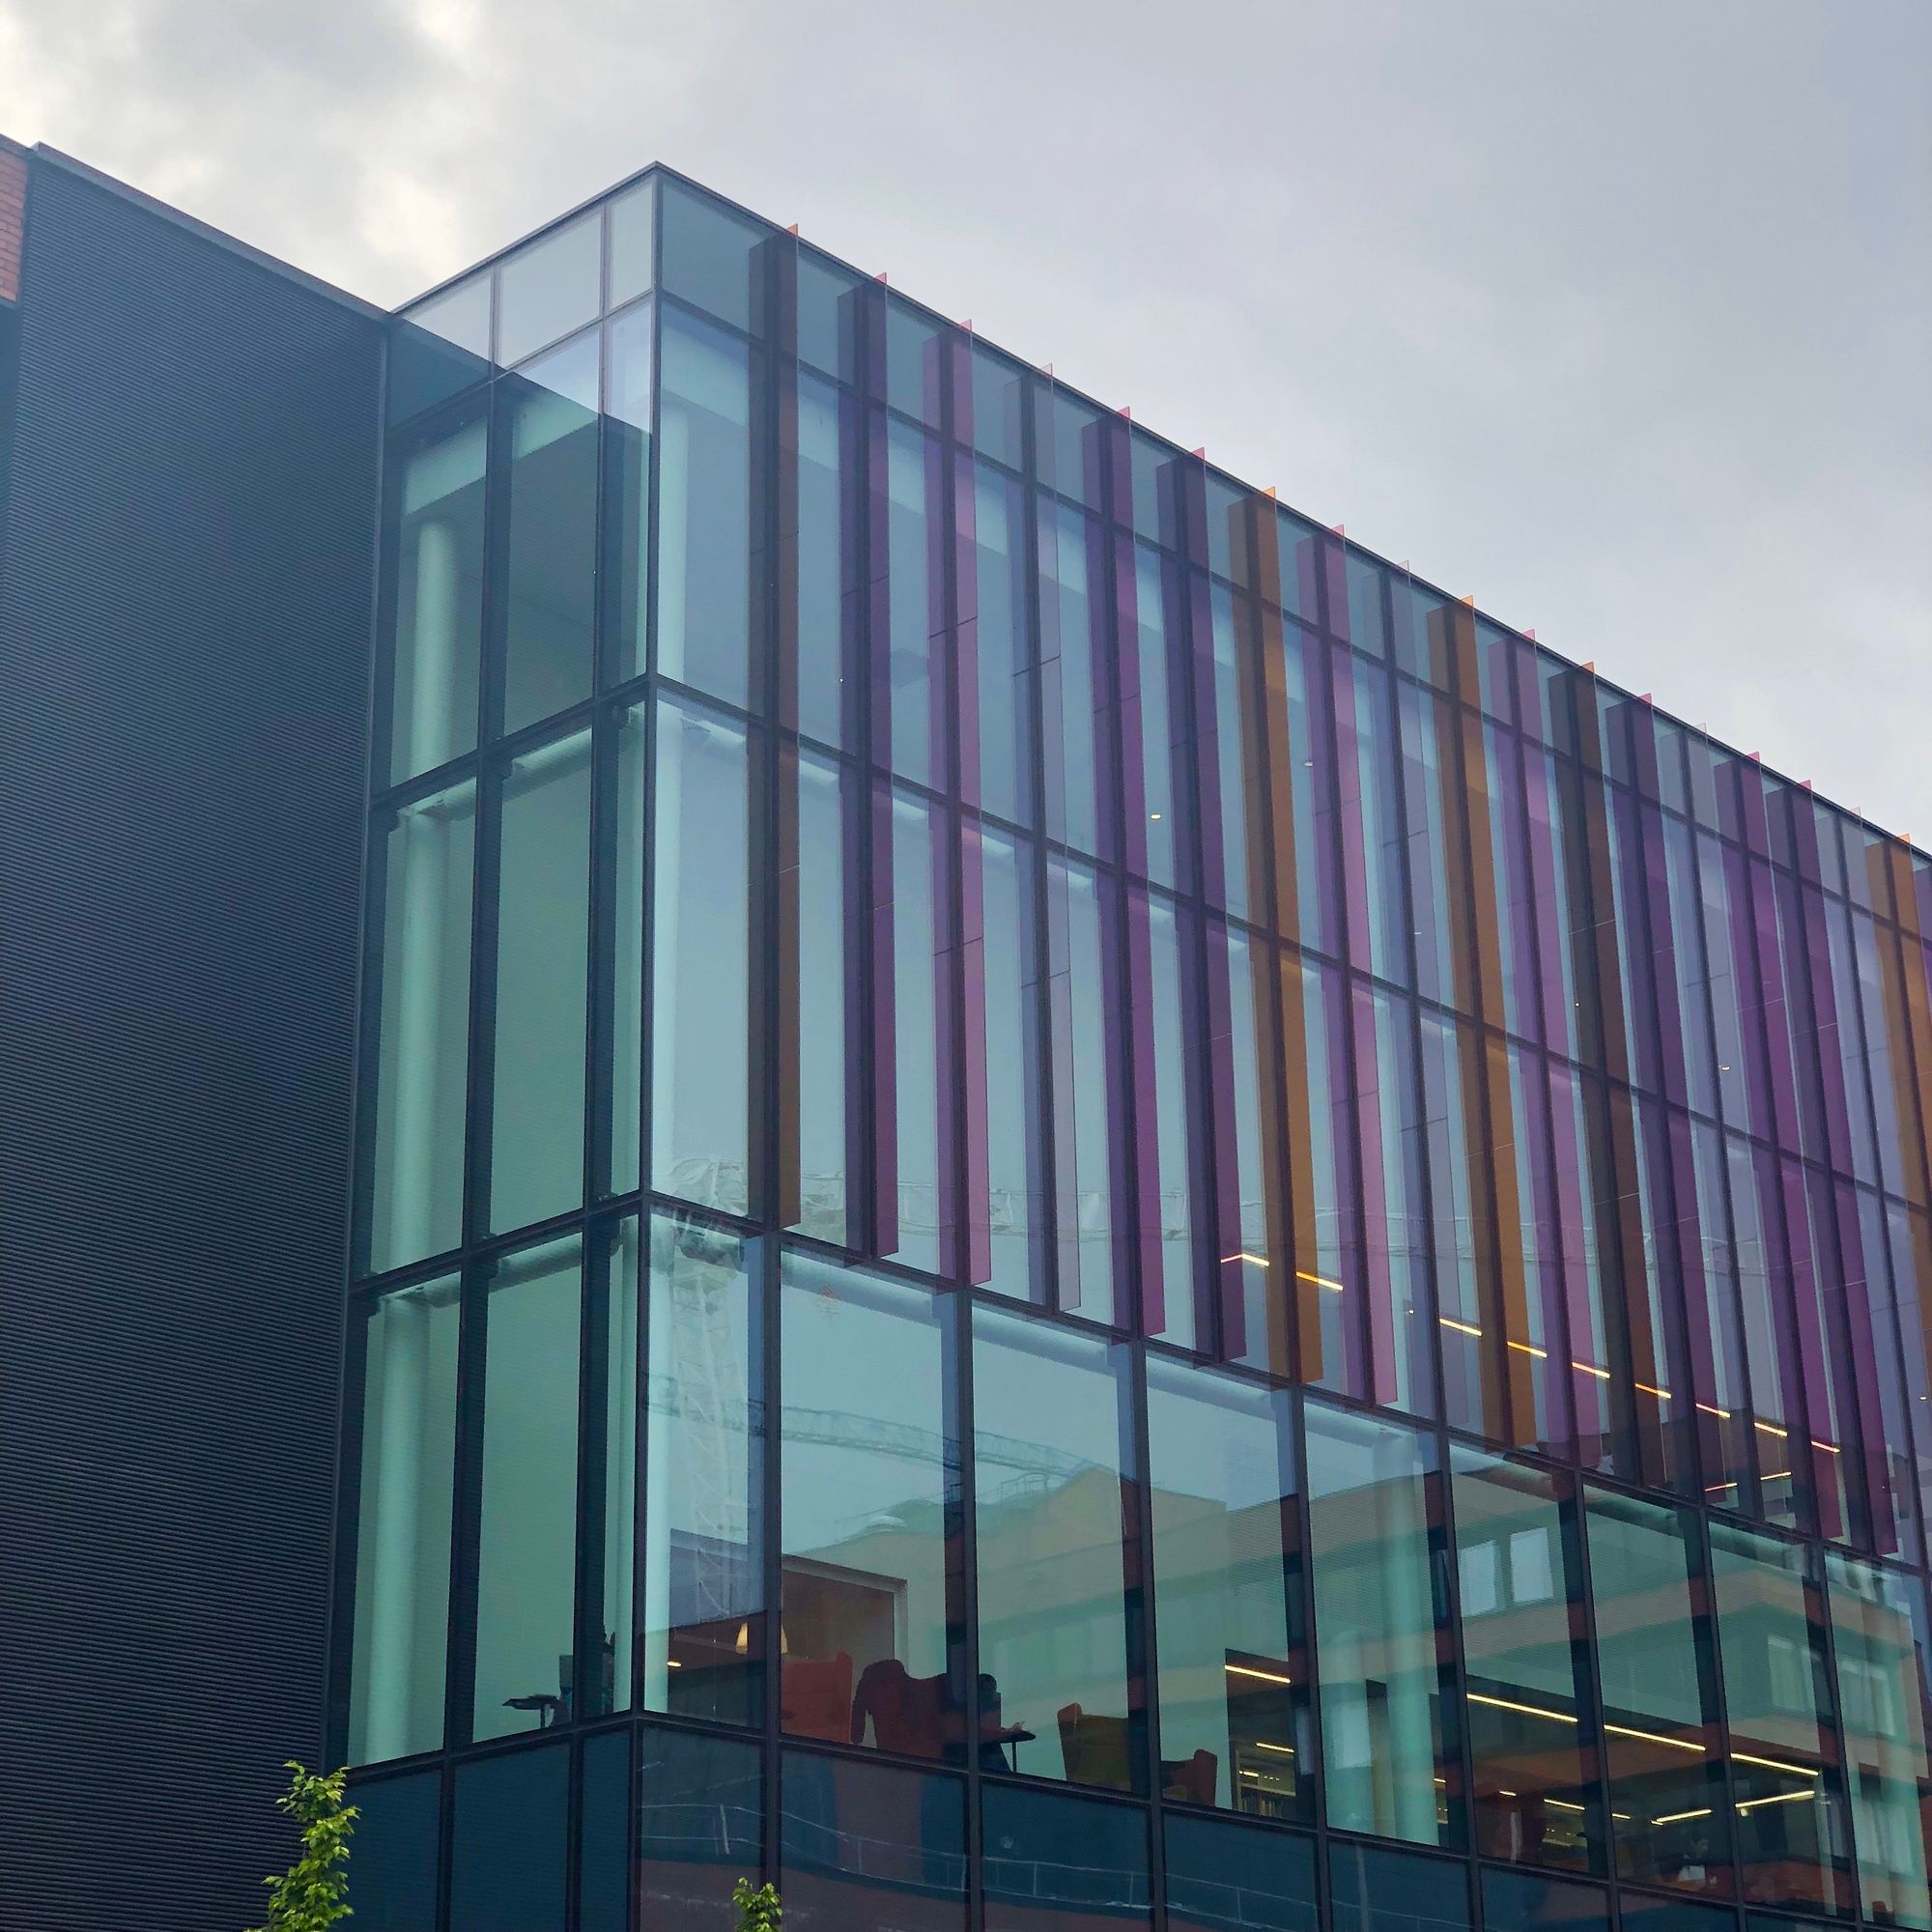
(184, 638)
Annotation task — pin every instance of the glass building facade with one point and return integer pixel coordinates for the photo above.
(1073, 1208)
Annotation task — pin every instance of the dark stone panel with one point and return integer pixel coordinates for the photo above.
(185, 596)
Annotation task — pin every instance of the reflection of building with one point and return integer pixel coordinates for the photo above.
(1064, 1206)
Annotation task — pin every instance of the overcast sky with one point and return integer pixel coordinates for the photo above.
(1617, 316)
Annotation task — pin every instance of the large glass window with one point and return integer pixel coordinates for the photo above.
(824, 991)
(1082, 979)
(1226, 1563)
(548, 289)
(526, 1535)
(1656, 1664)
(1879, 1628)
(699, 1825)
(628, 349)
(1054, 1562)
(704, 508)
(543, 922)
(508, 1843)
(1373, 1890)
(873, 1616)
(551, 550)
(1793, 1846)
(424, 1029)
(1073, 694)
(700, 1018)
(624, 836)
(917, 1224)
(871, 1848)
(402, 1524)
(398, 1846)
(1004, 969)
(1535, 1793)
(824, 575)
(1229, 1878)
(916, 632)
(437, 543)
(1382, 1628)
(701, 1639)
(1057, 1863)
(1001, 650)
(1168, 1274)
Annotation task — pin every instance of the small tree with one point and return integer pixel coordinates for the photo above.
(758, 1911)
(313, 1893)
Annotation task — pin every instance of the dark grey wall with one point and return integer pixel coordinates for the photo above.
(184, 593)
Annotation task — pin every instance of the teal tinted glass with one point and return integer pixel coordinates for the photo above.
(545, 291)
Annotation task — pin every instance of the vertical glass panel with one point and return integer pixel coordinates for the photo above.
(1227, 1564)
(1073, 678)
(398, 1853)
(912, 345)
(626, 835)
(1638, 1914)
(1054, 1562)
(1436, 846)
(1082, 986)
(507, 1843)
(1010, 972)
(1245, 1151)
(423, 1042)
(872, 1617)
(1382, 1628)
(437, 545)
(1793, 1843)
(1510, 882)
(1228, 1878)
(1458, 1196)
(551, 568)
(1516, 1902)
(703, 1623)
(1237, 779)
(603, 1834)
(633, 243)
(699, 1825)
(998, 388)
(829, 298)
(704, 508)
(460, 314)
(916, 639)
(610, 1564)
(1067, 443)
(824, 978)
(871, 1848)
(1535, 1790)
(543, 922)
(1171, 972)
(526, 1541)
(710, 254)
(700, 1015)
(1316, 914)
(549, 288)
(1365, 750)
(628, 347)
(1660, 1695)
(1366, 627)
(1165, 779)
(1878, 1621)
(1374, 1891)
(1000, 645)
(918, 914)
(824, 585)
(403, 1523)
(1056, 1863)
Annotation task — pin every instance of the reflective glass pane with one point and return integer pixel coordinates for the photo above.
(829, 298)
(1374, 1891)
(1227, 1565)
(423, 1038)
(1226, 1878)
(543, 920)
(1159, 700)
(1054, 1863)
(1535, 1790)
(615, 1348)
(825, 972)
(915, 596)
(627, 491)
(551, 564)
(1082, 976)
(436, 542)
(1168, 1285)
(700, 1809)
(871, 1848)
(1009, 977)
(603, 1834)
(460, 314)
(625, 830)
(701, 1016)
(826, 578)
(1052, 1557)
(403, 1523)
(398, 1853)
(704, 510)
(917, 1225)
(1073, 678)
(633, 239)
(702, 1628)
(1382, 1628)
(711, 254)
(1878, 1621)
(1793, 1845)
(998, 759)
(526, 1539)
(549, 288)
(872, 1617)
(1516, 1902)
(1654, 1660)
(507, 1843)
(997, 390)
